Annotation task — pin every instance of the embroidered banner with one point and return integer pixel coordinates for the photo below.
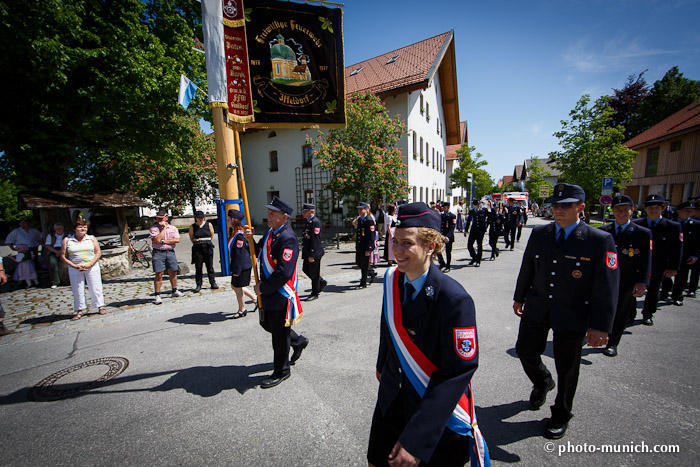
(296, 64)
(240, 102)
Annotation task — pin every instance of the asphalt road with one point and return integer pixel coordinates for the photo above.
(190, 394)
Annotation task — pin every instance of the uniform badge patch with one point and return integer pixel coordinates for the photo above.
(611, 260)
(287, 254)
(576, 274)
(465, 342)
(429, 291)
(651, 245)
(371, 228)
(317, 230)
(681, 236)
(239, 243)
(454, 221)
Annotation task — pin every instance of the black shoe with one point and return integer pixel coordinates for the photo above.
(362, 286)
(312, 297)
(678, 302)
(371, 278)
(273, 380)
(648, 322)
(663, 297)
(323, 285)
(477, 264)
(555, 428)
(372, 273)
(197, 289)
(690, 294)
(610, 351)
(446, 269)
(297, 351)
(497, 252)
(538, 396)
(512, 247)
(214, 285)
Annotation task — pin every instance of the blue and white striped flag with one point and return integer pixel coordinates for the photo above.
(187, 90)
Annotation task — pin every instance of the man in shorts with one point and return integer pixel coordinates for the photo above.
(164, 237)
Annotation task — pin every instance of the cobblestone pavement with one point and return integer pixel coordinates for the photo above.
(38, 313)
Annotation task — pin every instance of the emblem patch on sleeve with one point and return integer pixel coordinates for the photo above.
(287, 254)
(454, 221)
(651, 244)
(611, 260)
(681, 236)
(371, 228)
(317, 230)
(465, 342)
(239, 243)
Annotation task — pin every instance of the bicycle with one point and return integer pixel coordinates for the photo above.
(137, 252)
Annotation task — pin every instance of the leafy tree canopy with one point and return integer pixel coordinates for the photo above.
(669, 95)
(626, 101)
(92, 81)
(471, 161)
(363, 158)
(592, 149)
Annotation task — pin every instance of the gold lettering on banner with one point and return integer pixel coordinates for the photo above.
(272, 27)
(265, 87)
(295, 27)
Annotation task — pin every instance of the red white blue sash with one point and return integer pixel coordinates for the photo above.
(233, 238)
(288, 290)
(418, 369)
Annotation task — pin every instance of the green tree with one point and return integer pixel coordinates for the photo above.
(471, 161)
(669, 95)
(363, 158)
(592, 149)
(537, 172)
(92, 80)
(625, 102)
(8, 203)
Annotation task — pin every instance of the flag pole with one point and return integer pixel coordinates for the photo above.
(246, 211)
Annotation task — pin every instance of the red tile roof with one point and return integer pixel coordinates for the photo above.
(416, 64)
(684, 119)
(507, 179)
(451, 150)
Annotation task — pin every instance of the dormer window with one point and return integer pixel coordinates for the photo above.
(357, 71)
(393, 59)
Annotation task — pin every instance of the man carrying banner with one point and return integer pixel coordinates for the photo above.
(279, 250)
(427, 356)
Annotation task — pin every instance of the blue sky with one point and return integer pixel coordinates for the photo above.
(523, 65)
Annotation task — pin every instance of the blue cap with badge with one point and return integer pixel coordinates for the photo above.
(279, 205)
(567, 193)
(362, 205)
(654, 199)
(685, 205)
(622, 200)
(417, 215)
(236, 214)
(308, 207)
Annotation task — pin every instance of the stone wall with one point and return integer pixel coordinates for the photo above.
(115, 262)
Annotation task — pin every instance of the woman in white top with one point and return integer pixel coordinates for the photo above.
(81, 253)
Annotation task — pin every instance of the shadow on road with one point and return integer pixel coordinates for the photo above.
(201, 318)
(203, 381)
(549, 352)
(498, 432)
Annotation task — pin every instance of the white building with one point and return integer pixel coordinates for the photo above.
(455, 194)
(417, 82)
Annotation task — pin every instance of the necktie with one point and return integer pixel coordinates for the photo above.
(408, 293)
(619, 231)
(561, 237)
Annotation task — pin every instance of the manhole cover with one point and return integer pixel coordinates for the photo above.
(78, 378)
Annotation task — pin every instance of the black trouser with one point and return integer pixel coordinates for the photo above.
(678, 284)
(54, 264)
(531, 344)
(509, 235)
(283, 337)
(478, 237)
(694, 277)
(362, 262)
(520, 231)
(626, 303)
(313, 270)
(448, 254)
(652, 298)
(203, 254)
(493, 243)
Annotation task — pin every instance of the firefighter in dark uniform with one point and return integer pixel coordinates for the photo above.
(414, 420)
(448, 222)
(522, 220)
(478, 219)
(281, 307)
(364, 242)
(633, 244)
(568, 282)
(312, 250)
(695, 268)
(666, 253)
(691, 252)
(512, 214)
(495, 219)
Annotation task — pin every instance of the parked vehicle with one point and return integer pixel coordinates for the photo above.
(546, 211)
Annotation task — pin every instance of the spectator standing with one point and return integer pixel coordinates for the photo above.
(81, 253)
(3, 329)
(380, 219)
(201, 233)
(54, 251)
(364, 241)
(390, 220)
(25, 241)
(460, 216)
(164, 238)
(240, 263)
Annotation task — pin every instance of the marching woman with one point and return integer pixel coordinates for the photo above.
(390, 219)
(240, 263)
(427, 356)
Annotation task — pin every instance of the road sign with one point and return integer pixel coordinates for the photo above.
(605, 199)
(544, 191)
(607, 186)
